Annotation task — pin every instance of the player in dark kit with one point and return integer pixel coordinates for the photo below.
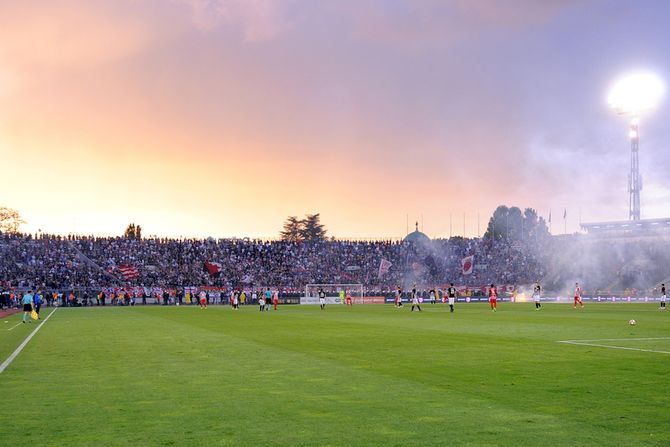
(451, 295)
(322, 299)
(662, 297)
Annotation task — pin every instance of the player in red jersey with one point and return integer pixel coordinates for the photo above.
(493, 297)
(349, 302)
(203, 299)
(275, 299)
(578, 297)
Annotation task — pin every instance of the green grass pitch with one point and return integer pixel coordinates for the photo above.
(367, 375)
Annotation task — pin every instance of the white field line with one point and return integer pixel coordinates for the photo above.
(16, 325)
(18, 350)
(625, 348)
(616, 339)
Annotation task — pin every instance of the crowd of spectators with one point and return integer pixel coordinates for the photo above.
(86, 262)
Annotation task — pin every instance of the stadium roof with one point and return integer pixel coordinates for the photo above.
(417, 237)
(628, 226)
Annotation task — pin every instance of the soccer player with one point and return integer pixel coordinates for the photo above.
(537, 291)
(432, 296)
(341, 296)
(322, 299)
(415, 299)
(261, 302)
(27, 305)
(493, 298)
(203, 299)
(451, 293)
(349, 301)
(398, 297)
(235, 300)
(578, 297)
(662, 297)
(275, 299)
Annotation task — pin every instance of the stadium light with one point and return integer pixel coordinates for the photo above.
(636, 93)
(632, 95)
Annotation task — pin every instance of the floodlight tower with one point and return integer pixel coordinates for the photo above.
(631, 96)
(634, 178)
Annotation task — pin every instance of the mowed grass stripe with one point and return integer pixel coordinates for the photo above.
(299, 377)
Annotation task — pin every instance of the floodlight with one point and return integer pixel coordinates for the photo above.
(636, 93)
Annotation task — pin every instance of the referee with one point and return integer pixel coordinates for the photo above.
(27, 305)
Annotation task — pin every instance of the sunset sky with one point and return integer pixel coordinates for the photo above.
(223, 117)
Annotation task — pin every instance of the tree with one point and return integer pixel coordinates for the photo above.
(498, 224)
(10, 220)
(292, 230)
(308, 229)
(312, 228)
(511, 224)
(133, 232)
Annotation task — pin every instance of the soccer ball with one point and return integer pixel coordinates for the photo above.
(632, 322)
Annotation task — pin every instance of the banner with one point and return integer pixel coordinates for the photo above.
(315, 300)
(468, 264)
(213, 268)
(129, 272)
(384, 267)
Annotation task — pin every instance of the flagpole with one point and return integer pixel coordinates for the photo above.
(450, 233)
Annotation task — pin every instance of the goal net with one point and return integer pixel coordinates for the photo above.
(333, 293)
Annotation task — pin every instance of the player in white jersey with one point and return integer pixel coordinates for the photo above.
(415, 299)
(261, 301)
(536, 296)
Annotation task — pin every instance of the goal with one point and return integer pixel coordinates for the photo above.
(332, 293)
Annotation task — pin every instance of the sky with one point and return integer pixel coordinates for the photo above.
(220, 118)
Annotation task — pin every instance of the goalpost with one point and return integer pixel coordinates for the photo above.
(332, 291)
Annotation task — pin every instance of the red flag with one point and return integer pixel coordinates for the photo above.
(129, 272)
(468, 264)
(384, 267)
(213, 268)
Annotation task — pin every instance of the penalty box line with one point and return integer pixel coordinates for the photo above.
(625, 348)
(18, 350)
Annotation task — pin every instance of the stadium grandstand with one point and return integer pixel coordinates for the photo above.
(85, 265)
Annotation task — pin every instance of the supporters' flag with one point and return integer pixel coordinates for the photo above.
(468, 264)
(384, 267)
(129, 272)
(213, 268)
